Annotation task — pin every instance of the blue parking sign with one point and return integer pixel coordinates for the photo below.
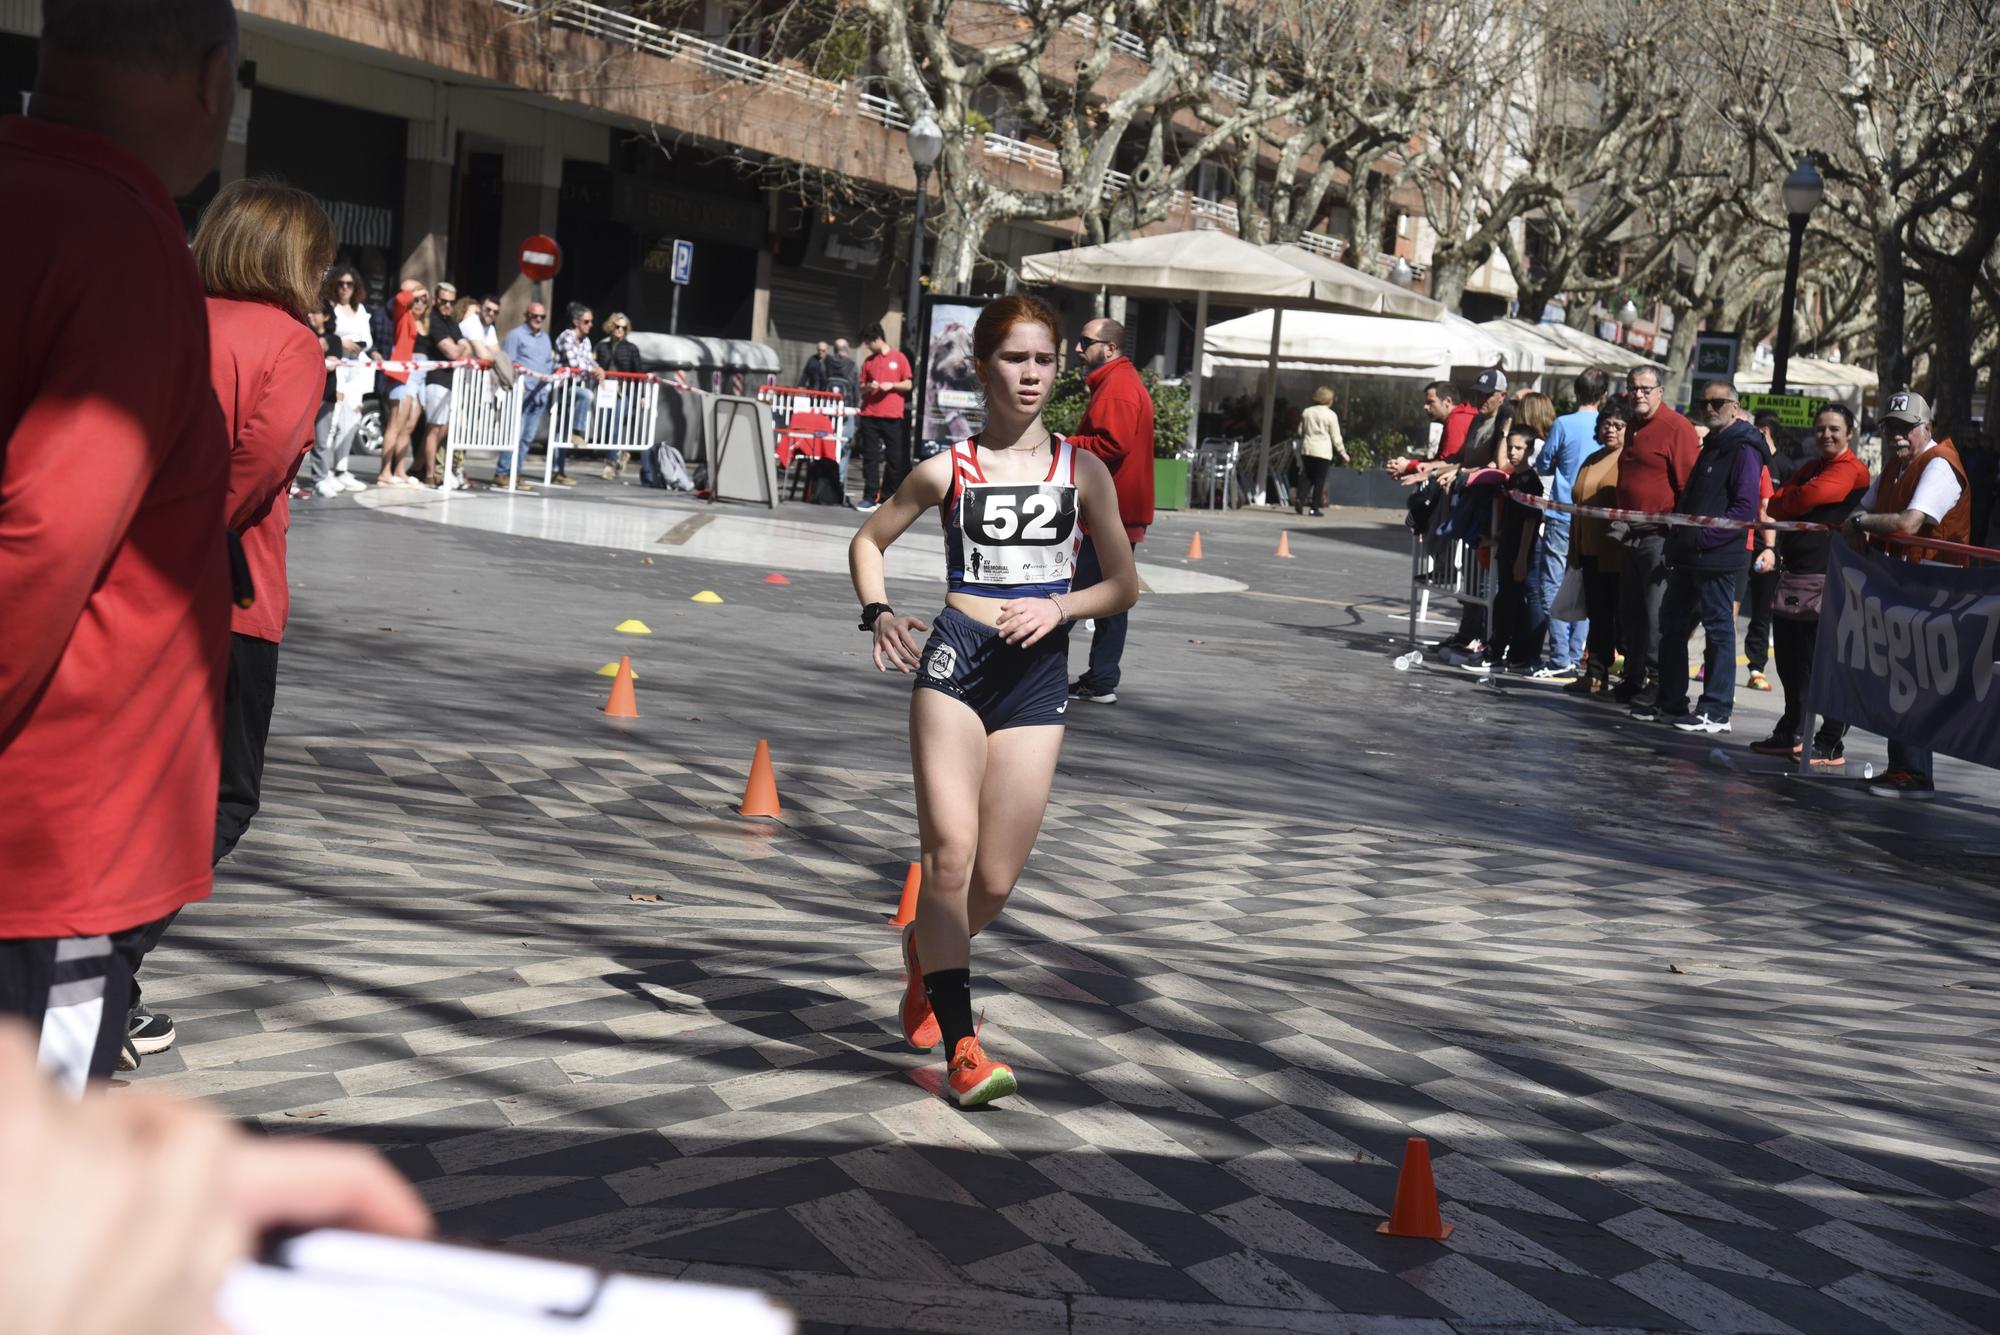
(683, 261)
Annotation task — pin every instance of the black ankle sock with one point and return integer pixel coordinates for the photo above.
(950, 991)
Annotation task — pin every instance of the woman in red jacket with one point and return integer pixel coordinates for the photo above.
(1823, 490)
(261, 248)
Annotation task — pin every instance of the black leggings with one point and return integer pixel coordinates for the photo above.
(1600, 600)
(1795, 642)
(1315, 487)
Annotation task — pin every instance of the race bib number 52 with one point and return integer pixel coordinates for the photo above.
(1018, 534)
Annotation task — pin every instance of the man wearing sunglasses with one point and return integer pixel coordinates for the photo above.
(1660, 449)
(527, 346)
(1117, 427)
(1703, 565)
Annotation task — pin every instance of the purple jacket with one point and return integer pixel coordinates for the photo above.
(1722, 485)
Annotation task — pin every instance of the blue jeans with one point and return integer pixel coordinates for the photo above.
(1903, 756)
(1107, 645)
(1545, 578)
(1707, 596)
(531, 423)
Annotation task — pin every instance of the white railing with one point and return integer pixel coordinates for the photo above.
(882, 110)
(1213, 210)
(1123, 38)
(1332, 247)
(485, 416)
(1020, 150)
(1230, 86)
(612, 26)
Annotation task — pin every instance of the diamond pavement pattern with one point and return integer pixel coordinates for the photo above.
(1655, 1102)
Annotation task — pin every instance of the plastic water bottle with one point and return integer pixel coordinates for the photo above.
(1867, 769)
(1404, 662)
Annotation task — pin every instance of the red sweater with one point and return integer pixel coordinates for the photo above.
(1456, 424)
(269, 373)
(1659, 454)
(1117, 427)
(114, 577)
(1819, 482)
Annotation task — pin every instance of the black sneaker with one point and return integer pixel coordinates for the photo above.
(150, 1032)
(1901, 783)
(1078, 691)
(1777, 744)
(1828, 757)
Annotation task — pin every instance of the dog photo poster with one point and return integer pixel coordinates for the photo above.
(952, 407)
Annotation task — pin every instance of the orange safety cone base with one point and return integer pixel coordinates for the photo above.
(1194, 548)
(1416, 1211)
(624, 701)
(775, 578)
(906, 910)
(760, 794)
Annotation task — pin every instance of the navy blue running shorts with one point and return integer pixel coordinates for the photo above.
(1007, 686)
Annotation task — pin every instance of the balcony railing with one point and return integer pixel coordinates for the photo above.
(1332, 247)
(611, 25)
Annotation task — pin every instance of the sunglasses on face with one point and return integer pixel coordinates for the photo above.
(536, 315)
(1716, 403)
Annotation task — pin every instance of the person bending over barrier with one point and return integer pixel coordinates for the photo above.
(986, 713)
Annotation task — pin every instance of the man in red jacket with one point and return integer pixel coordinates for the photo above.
(1117, 427)
(114, 577)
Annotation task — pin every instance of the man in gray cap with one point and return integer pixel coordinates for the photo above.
(1922, 493)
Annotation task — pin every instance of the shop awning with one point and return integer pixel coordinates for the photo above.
(685, 352)
(1371, 345)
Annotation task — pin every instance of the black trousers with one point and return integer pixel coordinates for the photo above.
(75, 993)
(1763, 591)
(884, 441)
(1642, 583)
(246, 727)
(1600, 600)
(1795, 642)
(1314, 491)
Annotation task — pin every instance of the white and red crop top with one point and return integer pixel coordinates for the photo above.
(1010, 539)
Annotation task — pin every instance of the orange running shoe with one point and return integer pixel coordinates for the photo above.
(920, 1026)
(975, 1080)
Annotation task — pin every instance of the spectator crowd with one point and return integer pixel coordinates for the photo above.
(1609, 606)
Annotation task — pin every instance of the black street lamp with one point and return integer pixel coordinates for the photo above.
(926, 142)
(1802, 191)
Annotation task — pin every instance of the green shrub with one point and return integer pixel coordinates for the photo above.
(1070, 396)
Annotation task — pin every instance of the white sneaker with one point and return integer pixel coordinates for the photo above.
(329, 486)
(349, 482)
(1702, 723)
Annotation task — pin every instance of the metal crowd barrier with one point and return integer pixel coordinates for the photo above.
(1451, 567)
(622, 415)
(485, 417)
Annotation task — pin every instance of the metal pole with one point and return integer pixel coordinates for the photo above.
(1270, 408)
(911, 305)
(674, 319)
(1194, 376)
(1781, 355)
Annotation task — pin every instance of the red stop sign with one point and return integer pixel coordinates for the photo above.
(541, 258)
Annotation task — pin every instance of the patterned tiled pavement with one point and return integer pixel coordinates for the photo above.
(1657, 1099)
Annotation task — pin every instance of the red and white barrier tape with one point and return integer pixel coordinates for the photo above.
(1674, 521)
(358, 364)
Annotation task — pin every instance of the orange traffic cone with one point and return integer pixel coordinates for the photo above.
(1284, 544)
(760, 795)
(1416, 1212)
(775, 578)
(906, 912)
(624, 702)
(1194, 548)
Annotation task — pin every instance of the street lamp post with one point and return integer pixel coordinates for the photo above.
(926, 142)
(1802, 191)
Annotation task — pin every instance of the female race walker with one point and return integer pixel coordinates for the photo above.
(986, 716)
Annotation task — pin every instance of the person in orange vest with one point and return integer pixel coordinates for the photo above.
(1922, 493)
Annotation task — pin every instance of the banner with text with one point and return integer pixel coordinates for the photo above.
(1907, 651)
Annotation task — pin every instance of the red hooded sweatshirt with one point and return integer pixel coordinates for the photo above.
(1117, 427)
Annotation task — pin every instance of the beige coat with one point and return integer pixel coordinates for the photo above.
(1319, 433)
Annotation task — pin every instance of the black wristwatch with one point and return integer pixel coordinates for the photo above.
(871, 612)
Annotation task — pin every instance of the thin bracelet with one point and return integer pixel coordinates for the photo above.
(1062, 617)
